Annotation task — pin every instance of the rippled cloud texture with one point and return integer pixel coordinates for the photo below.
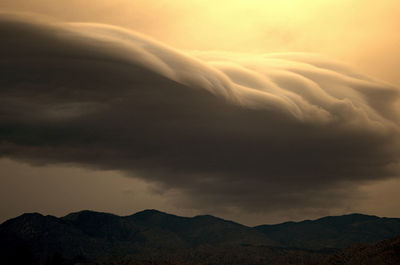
(227, 131)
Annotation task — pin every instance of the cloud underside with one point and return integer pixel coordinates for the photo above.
(250, 132)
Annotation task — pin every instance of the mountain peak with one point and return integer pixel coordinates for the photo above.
(31, 215)
(351, 215)
(149, 212)
(347, 219)
(26, 217)
(88, 216)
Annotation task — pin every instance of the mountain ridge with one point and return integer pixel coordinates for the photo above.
(200, 215)
(152, 233)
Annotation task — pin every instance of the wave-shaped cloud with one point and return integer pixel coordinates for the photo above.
(251, 132)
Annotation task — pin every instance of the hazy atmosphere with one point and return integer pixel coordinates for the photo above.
(255, 111)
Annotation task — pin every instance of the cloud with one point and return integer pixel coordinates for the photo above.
(227, 131)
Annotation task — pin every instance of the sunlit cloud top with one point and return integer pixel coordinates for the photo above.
(362, 33)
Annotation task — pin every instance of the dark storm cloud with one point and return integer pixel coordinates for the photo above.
(258, 133)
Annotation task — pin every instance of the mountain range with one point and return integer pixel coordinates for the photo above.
(154, 235)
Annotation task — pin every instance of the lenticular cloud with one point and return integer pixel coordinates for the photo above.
(254, 132)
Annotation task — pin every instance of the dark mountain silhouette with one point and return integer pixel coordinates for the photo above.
(97, 235)
(154, 235)
(333, 231)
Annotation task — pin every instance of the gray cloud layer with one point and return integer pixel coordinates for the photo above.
(229, 131)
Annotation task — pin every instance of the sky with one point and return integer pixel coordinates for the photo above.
(255, 111)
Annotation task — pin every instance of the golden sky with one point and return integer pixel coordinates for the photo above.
(361, 33)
